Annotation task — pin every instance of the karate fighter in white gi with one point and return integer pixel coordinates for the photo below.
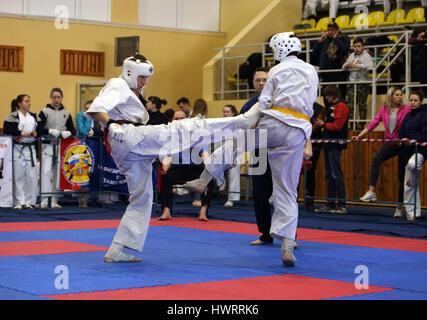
(286, 106)
(134, 146)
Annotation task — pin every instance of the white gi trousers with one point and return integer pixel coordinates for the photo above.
(411, 192)
(285, 147)
(49, 171)
(234, 183)
(25, 175)
(141, 146)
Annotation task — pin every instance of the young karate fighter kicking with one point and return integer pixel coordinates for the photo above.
(134, 146)
(286, 105)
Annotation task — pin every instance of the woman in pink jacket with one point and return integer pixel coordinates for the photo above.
(391, 114)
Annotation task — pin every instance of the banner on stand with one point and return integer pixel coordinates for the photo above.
(6, 169)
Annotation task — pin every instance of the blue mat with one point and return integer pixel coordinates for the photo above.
(174, 255)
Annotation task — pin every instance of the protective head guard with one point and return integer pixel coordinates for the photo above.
(134, 67)
(283, 44)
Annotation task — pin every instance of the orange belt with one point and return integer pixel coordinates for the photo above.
(296, 114)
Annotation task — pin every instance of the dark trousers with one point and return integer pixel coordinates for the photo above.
(181, 174)
(383, 154)
(334, 177)
(310, 179)
(262, 188)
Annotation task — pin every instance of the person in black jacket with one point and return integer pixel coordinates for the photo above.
(56, 121)
(330, 52)
(413, 128)
(153, 107)
(22, 125)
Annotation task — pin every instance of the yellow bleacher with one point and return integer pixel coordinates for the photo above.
(320, 26)
(311, 22)
(358, 21)
(415, 15)
(342, 21)
(375, 18)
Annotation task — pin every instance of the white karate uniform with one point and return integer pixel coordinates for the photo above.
(291, 84)
(141, 145)
(25, 174)
(412, 171)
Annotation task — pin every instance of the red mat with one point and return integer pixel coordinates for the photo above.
(58, 225)
(26, 248)
(336, 237)
(280, 287)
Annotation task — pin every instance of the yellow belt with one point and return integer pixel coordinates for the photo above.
(296, 114)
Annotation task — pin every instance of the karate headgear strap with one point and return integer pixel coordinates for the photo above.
(283, 44)
(133, 68)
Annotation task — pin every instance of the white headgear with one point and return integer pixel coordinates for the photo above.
(283, 44)
(132, 69)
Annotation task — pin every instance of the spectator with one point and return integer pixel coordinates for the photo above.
(200, 109)
(413, 128)
(86, 128)
(419, 54)
(330, 53)
(334, 127)
(310, 6)
(262, 185)
(316, 133)
(233, 174)
(358, 63)
(153, 107)
(57, 122)
(184, 170)
(169, 113)
(391, 114)
(184, 104)
(22, 125)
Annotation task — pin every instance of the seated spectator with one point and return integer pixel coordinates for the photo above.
(22, 125)
(358, 63)
(414, 128)
(330, 53)
(310, 6)
(334, 127)
(391, 114)
(184, 170)
(153, 107)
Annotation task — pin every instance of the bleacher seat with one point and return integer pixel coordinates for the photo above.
(375, 18)
(393, 17)
(310, 22)
(321, 25)
(415, 15)
(358, 21)
(342, 21)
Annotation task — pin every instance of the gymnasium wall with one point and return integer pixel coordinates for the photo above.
(178, 56)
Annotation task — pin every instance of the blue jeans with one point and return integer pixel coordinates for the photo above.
(334, 176)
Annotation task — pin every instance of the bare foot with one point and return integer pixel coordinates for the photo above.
(203, 213)
(166, 215)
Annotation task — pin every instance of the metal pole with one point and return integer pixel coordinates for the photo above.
(222, 73)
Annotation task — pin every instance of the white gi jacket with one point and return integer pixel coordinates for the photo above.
(120, 103)
(291, 84)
